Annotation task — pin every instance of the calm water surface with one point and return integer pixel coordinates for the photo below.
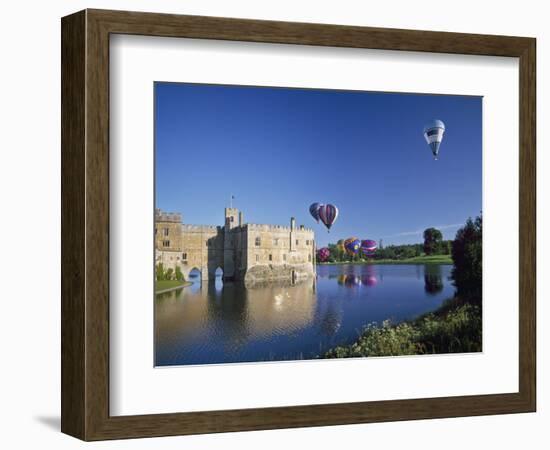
(220, 322)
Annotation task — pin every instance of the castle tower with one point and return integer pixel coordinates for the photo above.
(232, 221)
(231, 218)
(292, 234)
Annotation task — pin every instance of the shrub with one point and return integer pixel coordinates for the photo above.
(160, 275)
(169, 275)
(454, 328)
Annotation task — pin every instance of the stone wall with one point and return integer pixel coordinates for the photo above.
(248, 252)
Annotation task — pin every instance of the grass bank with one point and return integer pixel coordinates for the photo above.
(454, 328)
(164, 285)
(435, 259)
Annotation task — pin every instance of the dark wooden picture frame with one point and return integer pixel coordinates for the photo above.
(85, 224)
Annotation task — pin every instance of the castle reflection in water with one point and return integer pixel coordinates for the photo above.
(213, 322)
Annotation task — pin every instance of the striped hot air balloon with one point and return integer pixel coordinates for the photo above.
(314, 210)
(433, 133)
(328, 215)
(368, 247)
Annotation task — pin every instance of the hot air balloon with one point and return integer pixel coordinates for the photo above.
(352, 245)
(314, 210)
(323, 254)
(328, 215)
(433, 132)
(368, 247)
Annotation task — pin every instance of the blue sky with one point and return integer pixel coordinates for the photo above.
(278, 150)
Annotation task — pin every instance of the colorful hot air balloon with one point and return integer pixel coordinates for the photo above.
(352, 245)
(323, 254)
(368, 247)
(433, 133)
(314, 210)
(328, 215)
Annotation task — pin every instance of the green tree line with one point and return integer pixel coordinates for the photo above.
(433, 245)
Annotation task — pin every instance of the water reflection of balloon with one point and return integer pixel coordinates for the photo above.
(328, 215)
(369, 277)
(352, 280)
(314, 210)
(369, 280)
(323, 254)
(352, 245)
(433, 133)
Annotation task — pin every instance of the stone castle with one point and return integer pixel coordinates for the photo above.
(244, 251)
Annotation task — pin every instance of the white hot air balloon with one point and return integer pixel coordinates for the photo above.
(433, 132)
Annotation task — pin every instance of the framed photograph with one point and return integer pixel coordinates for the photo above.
(271, 225)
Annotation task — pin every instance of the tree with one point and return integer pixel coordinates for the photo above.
(160, 275)
(432, 241)
(179, 274)
(467, 258)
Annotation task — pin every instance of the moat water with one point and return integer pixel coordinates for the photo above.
(216, 322)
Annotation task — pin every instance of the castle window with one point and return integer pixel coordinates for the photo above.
(184, 256)
(258, 241)
(271, 257)
(166, 243)
(307, 242)
(257, 258)
(309, 258)
(166, 231)
(284, 257)
(231, 219)
(276, 241)
(297, 242)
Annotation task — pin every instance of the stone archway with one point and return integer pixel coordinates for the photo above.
(194, 274)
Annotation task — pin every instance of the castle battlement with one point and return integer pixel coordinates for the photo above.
(275, 228)
(200, 228)
(161, 216)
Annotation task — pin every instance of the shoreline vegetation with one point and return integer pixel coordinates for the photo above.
(424, 259)
(170, 285)
(455, 327)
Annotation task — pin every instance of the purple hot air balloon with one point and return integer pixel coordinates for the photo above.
(314, 210)
(368, 247)
(351, 245)
(323, 254)
(328, 215)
